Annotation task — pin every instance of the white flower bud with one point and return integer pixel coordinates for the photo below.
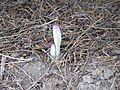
(55, 48)
(57, 35)
(53, 51)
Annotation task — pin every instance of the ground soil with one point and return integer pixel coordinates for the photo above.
(90, 48)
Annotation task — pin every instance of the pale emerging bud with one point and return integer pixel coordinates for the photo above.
(57, 35)
(52, 51)
(55, 48)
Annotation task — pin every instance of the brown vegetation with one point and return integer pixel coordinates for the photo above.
(90, 50)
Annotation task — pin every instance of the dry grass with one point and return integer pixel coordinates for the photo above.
(90, 50)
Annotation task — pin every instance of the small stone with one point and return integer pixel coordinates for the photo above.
(87, 79)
